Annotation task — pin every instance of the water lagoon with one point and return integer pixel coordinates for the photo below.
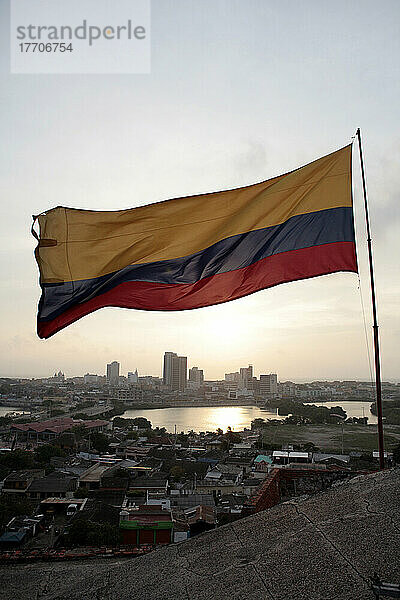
(209, 418)
(202, 418)
(353, 409)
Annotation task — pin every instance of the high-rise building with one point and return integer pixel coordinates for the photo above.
(167, 369)
(175, 371)
(113, 373)
(269, 384)
(232, 377)
(246, 377)
(196, 376)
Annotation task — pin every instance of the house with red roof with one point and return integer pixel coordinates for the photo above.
(48, 430)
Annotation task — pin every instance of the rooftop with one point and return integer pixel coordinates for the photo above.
(94, 472)
(200, 513)
(148, 514)
(57, 425)
(55, 483)
(263, 458)
(24, 475)
(148, 483)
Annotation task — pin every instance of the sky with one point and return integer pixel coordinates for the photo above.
(239, 91)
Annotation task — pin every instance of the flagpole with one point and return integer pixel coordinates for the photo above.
(374, 313)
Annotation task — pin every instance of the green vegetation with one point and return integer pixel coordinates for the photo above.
(100, 442)
(43, 454)
(391, 411)
(6, 388)
(90, 533)
(121, 473)
(56, 412)
(124, 423)
(17, 460)
(308, 412)
(183, 439)
(229, 438)
(178, 473)
(12, 507)
(156, 432)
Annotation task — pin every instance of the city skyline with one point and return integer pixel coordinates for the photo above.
(137, 374)
(237, 106)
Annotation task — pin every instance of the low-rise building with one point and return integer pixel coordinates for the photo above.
(17, 482)
(54, 485)
(90, 479)
(19, 530)
(49, 430)
(149, 484)
(262, 462)
(146, 525)
(132, 451)
(320, 457)
(51, 506)
(284, 457)
(200, 518)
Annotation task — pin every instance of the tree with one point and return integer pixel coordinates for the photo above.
(335, 411)
(56, 412)
(177, 473)
(142, 423)
(229, 439)
(17, 460)
(121, 473)
(258, 423)
(43, 454)
(11, 507)
(160, 431)
(80, 431)
(90, 533)
(182, 439)
(81, 492)
(100, 442)
(65, 440)
(310, 447)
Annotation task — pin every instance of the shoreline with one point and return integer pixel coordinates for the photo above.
(195, 404)
(226, 404)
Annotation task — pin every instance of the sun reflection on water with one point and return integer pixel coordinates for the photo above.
(206, 418)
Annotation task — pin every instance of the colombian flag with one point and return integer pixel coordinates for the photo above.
(199, 250)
